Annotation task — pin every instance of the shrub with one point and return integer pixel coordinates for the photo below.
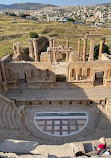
(106, 49)
(33, 35)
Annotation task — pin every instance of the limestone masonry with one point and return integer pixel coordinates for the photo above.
(55, 96)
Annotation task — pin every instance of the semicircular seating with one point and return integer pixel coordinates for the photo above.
(10, 115)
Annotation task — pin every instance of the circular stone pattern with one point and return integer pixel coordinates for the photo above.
(60, 123)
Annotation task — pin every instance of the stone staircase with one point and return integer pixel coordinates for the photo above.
(10, 115)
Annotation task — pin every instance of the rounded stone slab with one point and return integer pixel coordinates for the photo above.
(19, 146)
(30, 126)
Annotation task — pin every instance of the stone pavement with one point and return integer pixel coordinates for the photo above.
(13, 155)
(59, 94)
(13, 149)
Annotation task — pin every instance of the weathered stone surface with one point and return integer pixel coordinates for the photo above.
(78, 147)
(25, 147)
(19, 146)
(65, 150)
(13, 155)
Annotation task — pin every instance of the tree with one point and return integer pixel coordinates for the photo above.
(23, 16)
(12, 14)
(33, 35)
(106, 49)
(70, 19)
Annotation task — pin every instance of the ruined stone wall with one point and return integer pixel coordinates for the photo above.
(36, 45)
(31, 72)
(39, 73)
(42, 41)
(84, 72)
(10, 36)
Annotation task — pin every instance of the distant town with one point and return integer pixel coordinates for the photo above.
(95, 15)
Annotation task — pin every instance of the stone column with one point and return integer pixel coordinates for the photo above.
(51, 43)
(31, 50)
(51, 56)
(69, 76)
(102, 41)
(79, 47)
(14, 47)
(67, 43)
(67, 55)
(3, 71)
(91, 53)
(35, 44)
(54, 55)
(19, 51)
(77, 76)
(85, 49)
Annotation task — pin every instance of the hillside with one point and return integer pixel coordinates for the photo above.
(105, 4)
(13, 29)
(25, 6)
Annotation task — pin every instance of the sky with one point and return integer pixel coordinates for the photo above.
(57, 2)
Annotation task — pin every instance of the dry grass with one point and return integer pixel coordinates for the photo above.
(60, 31)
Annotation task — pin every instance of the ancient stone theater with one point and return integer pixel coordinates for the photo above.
(55, 96)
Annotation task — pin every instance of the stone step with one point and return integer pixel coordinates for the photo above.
(10, 123)
(4, 115)
(13, 112)
(18, 117)
(1, 122)
(10, 116)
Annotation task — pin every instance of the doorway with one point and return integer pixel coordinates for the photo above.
(60, 78)
(22, 80)
(99, 78)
